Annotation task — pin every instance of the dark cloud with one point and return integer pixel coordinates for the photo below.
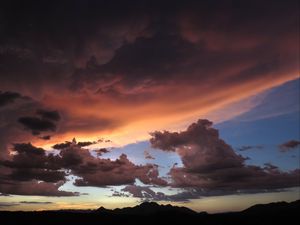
(32, 202)
(28, 148)
(62, 145)
(144, 193)
(30, 185)
(10, 131)
(101, 151)
(45, 122)
(30, 171)
(48, 115)
(46, 137)
(36, 47)
(141, 53)
(173, 36)
(86, 143)
(289, 145)
(8, 204)
(212, 166)
(80, 55)
(187, 49)
(37, 125)
(35, 188)
(39, 174)
(31, 166)
(31, 163)
(67, 144)
(8, 97)
(104, 172)
(199, 146)
(249, 147)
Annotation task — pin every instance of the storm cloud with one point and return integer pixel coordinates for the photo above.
(212, 166)
(111, 56)
(116, 71)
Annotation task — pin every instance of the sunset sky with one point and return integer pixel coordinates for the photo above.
(112, 103)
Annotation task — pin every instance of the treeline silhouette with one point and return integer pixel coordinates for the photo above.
(153, 213)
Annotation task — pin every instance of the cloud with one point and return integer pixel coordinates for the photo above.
(62, 145)
(148, 155)
(31, 166)
(94, 79)
(37, 125)
(31, 163)
(211, 166)
(289, 145)
(33, 202)
(46, 137)
(86, 143)
(7, 204)
(8, 98)
(46, 122)
(119, 194)
(30, 171)
(48, 115)
(144, 193)
(35, 188)
(249, 147)
(183, 195)
(100, 84)
(100, 172)
(101, 151)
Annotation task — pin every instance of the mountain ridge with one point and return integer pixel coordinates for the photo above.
(148, 208)
(153, 213)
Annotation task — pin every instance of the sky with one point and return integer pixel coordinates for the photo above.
(112, 103)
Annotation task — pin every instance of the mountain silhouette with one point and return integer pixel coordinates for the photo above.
(147, 208)
(275, 207)
(153, 213)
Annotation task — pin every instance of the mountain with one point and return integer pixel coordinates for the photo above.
(153, 213)
(274, 207)
(147, 208)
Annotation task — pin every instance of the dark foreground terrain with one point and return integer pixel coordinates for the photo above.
(152, 213)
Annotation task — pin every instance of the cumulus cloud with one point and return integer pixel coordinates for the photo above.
(31, 166)
(144, 193)
(289, 145)
(30, 171)
(182, 195)
(104, 172)
(210, 165)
